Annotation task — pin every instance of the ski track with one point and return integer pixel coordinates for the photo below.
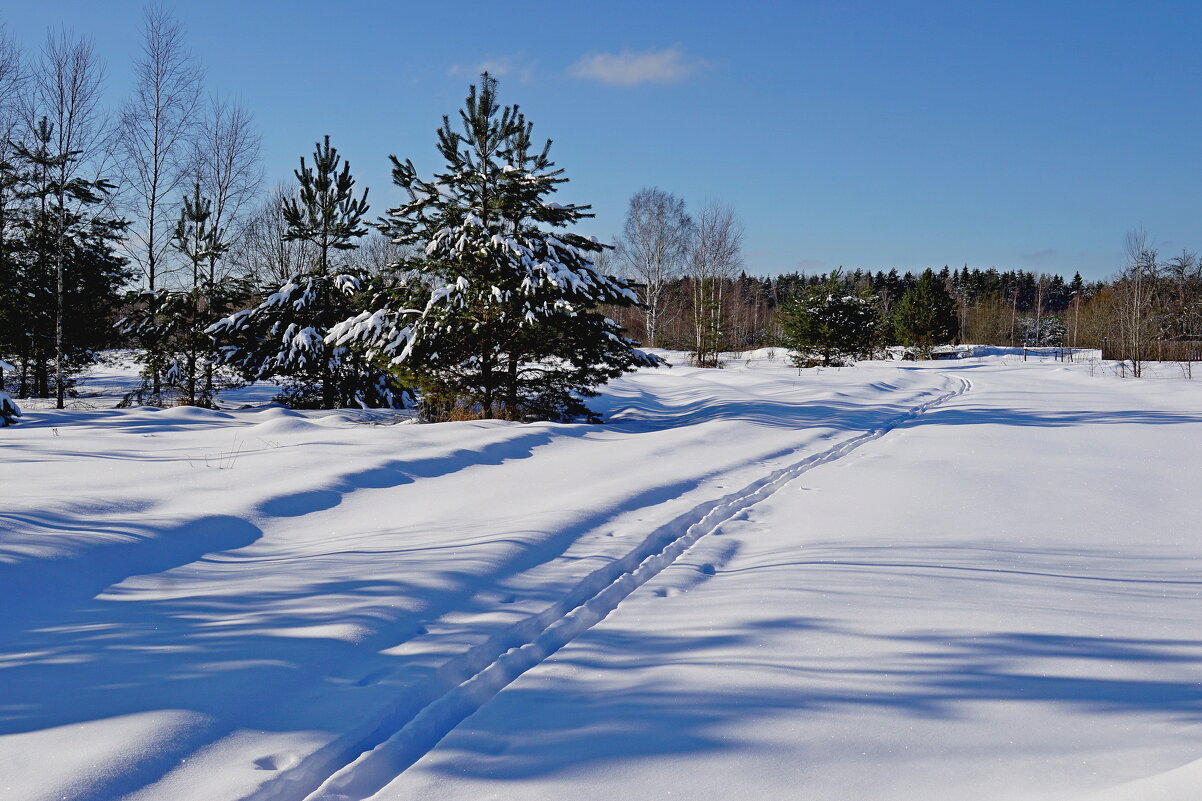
(360, 763)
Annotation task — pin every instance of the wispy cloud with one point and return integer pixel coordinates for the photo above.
(516, 66)
(630, 68)
(808, 265)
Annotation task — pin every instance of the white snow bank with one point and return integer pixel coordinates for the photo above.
(977, 576)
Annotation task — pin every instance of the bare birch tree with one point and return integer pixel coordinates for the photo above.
(13, 80)
(261, 254)
(378, 253)
(12, 102)
(653, 249)
(228, 167)
(715, 258)
(1136, 291)
(1183, 309)
(155, 138)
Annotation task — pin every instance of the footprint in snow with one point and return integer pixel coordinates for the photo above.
(276, 762)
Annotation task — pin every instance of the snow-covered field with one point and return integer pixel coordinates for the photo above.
(973, 579)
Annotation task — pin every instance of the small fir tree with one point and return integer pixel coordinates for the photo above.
(497, 316)
(926, 315)
(829, 323)
(172, 325)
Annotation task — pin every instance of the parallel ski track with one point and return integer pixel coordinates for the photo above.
(360, 764)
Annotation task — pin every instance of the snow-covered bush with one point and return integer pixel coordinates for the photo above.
(1045, 332)
(9, 411)
(284, 337)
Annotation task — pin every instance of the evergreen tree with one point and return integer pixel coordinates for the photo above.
(831, 322)
(9, 411)
(325, 211)
(926, 315)
(9, 245)
(497, 317)
(58, 242)
(172, 324)
(285, 335)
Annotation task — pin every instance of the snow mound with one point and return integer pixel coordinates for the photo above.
(1173, 785)
(284, 425)
(184, 413)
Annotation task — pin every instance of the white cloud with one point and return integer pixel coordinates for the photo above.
(629, 68)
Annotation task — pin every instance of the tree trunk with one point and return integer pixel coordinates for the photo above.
(58, 313)
(511, 390)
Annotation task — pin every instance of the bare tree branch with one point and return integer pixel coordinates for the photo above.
(652, 250)
(156, 136)
(228, 166)
(715, 258)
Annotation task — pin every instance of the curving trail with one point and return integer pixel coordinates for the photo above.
(998, 600)
(378, 760)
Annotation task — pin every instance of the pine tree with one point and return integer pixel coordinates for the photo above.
(59, 252)
(9, 249)
(831, 322)
(497, 317)
(285, 335)
(172, 324)
(325, 212)
(926, 315)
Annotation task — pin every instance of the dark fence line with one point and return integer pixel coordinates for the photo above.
(1158, 350)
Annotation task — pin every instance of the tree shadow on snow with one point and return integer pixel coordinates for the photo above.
(617, 695)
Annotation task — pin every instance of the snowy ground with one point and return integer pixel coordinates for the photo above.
(974, 579)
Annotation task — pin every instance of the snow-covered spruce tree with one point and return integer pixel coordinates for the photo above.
(829, 323)
(496, 318)
(926, 315)
(285, 335)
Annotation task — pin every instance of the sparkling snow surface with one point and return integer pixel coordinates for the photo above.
(976, 579)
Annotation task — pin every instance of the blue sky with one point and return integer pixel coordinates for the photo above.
(865, 134)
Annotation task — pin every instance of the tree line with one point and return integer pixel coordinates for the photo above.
(691, 305)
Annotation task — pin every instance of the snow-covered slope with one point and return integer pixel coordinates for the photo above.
(978, 577)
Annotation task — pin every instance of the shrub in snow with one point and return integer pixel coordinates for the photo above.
(828, 323)
(1037, 332)
(497, 315)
